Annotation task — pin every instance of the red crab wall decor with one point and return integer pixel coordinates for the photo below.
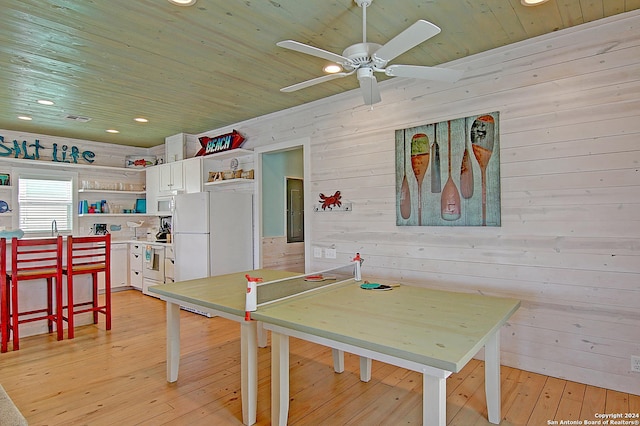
(330, 201)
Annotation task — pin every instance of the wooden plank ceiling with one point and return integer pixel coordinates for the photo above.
(193, 69)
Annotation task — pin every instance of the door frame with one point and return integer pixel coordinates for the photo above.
(305, 144)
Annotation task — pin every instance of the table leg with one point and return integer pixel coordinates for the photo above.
(262, 335)
(365, 369)
(338, 360)
(492, 377)
(173, 341)
(249, 370)
(434, 400)
(279, 378)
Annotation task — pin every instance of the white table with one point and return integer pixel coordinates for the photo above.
(222, 296)
(429, 331)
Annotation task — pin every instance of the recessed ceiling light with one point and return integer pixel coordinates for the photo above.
(183, 2)
(141, 120)
(112, 131)
(332, 68)
(45, 102)
(25, 117)
(532, 2)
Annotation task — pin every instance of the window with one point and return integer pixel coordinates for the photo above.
(42, 200)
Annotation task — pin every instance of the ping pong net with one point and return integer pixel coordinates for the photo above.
(264, 293)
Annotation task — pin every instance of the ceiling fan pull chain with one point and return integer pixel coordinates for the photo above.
(364, 22)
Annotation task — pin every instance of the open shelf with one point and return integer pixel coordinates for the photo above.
(111, 191)
(69, 166)
(238, 181)
(114, 214)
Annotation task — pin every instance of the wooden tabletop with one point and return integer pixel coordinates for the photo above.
(437, 328)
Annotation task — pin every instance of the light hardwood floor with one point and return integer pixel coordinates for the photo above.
(118, 377)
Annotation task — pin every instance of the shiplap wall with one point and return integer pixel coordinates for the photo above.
(109, 155)
(569, 244)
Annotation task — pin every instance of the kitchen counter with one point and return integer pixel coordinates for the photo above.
(113, 240)
(143, 242)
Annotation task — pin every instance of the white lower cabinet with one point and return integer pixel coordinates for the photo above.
(136, 251)
(119, 265)
(169, 265)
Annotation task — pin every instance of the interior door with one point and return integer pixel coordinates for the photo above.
(295, 210)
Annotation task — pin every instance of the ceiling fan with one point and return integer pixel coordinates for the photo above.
(366, 58)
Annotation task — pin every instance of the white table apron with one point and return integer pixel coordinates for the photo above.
(434, 379)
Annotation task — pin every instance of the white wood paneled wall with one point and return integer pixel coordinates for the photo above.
(569, 244)
(278, 254)
(109, 155)
(105, 154)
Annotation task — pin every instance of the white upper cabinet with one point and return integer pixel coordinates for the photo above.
(153, 188)
(171, 177)
(192, 172)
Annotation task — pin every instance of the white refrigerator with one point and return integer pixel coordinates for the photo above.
(212, 234)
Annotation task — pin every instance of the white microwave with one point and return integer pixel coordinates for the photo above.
(165, 205)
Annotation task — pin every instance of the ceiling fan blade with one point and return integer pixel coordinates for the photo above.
(314, 51)
(409, 38)
(427, 73)
(369, 88)
(314, 81)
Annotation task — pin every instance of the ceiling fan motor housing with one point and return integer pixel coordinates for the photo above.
(360, 54)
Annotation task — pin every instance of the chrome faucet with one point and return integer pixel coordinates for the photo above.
(54, 228)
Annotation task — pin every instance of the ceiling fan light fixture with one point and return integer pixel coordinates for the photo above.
(332, 69)
(183, 2)
(532, 2)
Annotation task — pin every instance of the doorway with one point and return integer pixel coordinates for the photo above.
(281, 234)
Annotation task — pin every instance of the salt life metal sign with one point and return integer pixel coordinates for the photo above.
(221, 143)
(31, 151)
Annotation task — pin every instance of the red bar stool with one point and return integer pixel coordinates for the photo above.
(33, 259)
(4, 296)
(88, 255)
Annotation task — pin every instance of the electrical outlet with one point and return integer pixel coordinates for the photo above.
(635, 363)
(317, 252)
(330, 253)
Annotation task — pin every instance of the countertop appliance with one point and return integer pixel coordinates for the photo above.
(212, 234)
(164, 234)
(99, 229)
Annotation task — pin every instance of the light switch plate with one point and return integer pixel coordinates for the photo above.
(330, 253)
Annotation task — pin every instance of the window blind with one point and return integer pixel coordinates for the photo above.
(42, 201)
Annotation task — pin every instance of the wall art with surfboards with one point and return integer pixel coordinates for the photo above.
(448, 173)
